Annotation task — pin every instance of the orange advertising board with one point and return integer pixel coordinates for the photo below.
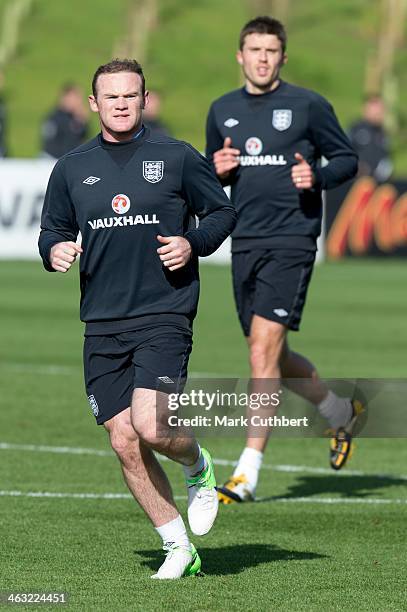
(364, 218)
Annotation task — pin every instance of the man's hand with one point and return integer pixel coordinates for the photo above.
(63, 255)
(175, 253)
(226, 159)
(301, 174)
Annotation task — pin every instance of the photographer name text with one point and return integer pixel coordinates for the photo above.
(241, 421)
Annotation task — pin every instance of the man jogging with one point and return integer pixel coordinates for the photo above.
(134, 200)
(265, 140)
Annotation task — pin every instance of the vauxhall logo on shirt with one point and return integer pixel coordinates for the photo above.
(121, 205)
(254, 147)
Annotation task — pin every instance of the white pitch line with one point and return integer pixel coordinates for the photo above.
(57, 495)
(339, 500)
(298, 500)
(296, 469)
(53, 494)
(64, 450)
(45, 369)
(56, 370)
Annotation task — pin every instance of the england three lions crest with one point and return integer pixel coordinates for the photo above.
(282, 119)
(153, 171)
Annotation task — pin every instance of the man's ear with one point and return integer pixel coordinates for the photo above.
(145, 99)
(239, 57)
(93, 104)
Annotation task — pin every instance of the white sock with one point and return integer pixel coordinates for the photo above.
(336, 410)
(195, 468)
(174, 531)
(249, 464)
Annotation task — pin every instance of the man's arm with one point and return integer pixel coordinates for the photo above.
(208, 201)
(332, 143)
(59, 228)
(220, 153)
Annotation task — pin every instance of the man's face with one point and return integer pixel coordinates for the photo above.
(375, 111)
(261, 59)
(72, 100)
(119, 102)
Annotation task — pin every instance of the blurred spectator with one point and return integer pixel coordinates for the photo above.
(65, 127)
(151, 115)
(3, 117)
(370, 141)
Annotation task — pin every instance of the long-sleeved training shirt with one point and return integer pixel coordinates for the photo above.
(120, 196)
(269, 129)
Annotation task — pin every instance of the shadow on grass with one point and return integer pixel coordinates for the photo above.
(346, 486)
(233, 559)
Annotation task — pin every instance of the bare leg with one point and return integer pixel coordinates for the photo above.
(143, 474)
(295, 366)
(147, 407)
(266, 342)
(272, 359)
(149, 414)
(272, 363)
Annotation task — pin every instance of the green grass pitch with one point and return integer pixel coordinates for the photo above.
(316, 541)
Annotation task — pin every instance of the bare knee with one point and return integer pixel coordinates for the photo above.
(259, 356)
(154, 434)
(144, 426)
(123, 440)
(267, 340)
(122, 445)
(147, 433)
(149, 416)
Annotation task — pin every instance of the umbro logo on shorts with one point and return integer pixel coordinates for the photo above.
(280, 312)
(166, 379)
(91, 180)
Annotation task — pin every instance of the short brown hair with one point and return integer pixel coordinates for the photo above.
(264, 25)
(119, 65)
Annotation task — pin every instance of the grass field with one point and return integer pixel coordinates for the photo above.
(316, 541)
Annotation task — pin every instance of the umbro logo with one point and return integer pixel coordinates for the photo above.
(231, 122)
(166, 379)
(91, 180)
(280, 312)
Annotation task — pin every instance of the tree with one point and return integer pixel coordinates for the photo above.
(380, 70)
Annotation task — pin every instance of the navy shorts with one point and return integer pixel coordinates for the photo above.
(272, 284)
(150, 358)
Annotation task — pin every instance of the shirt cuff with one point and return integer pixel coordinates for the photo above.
(195, 240)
